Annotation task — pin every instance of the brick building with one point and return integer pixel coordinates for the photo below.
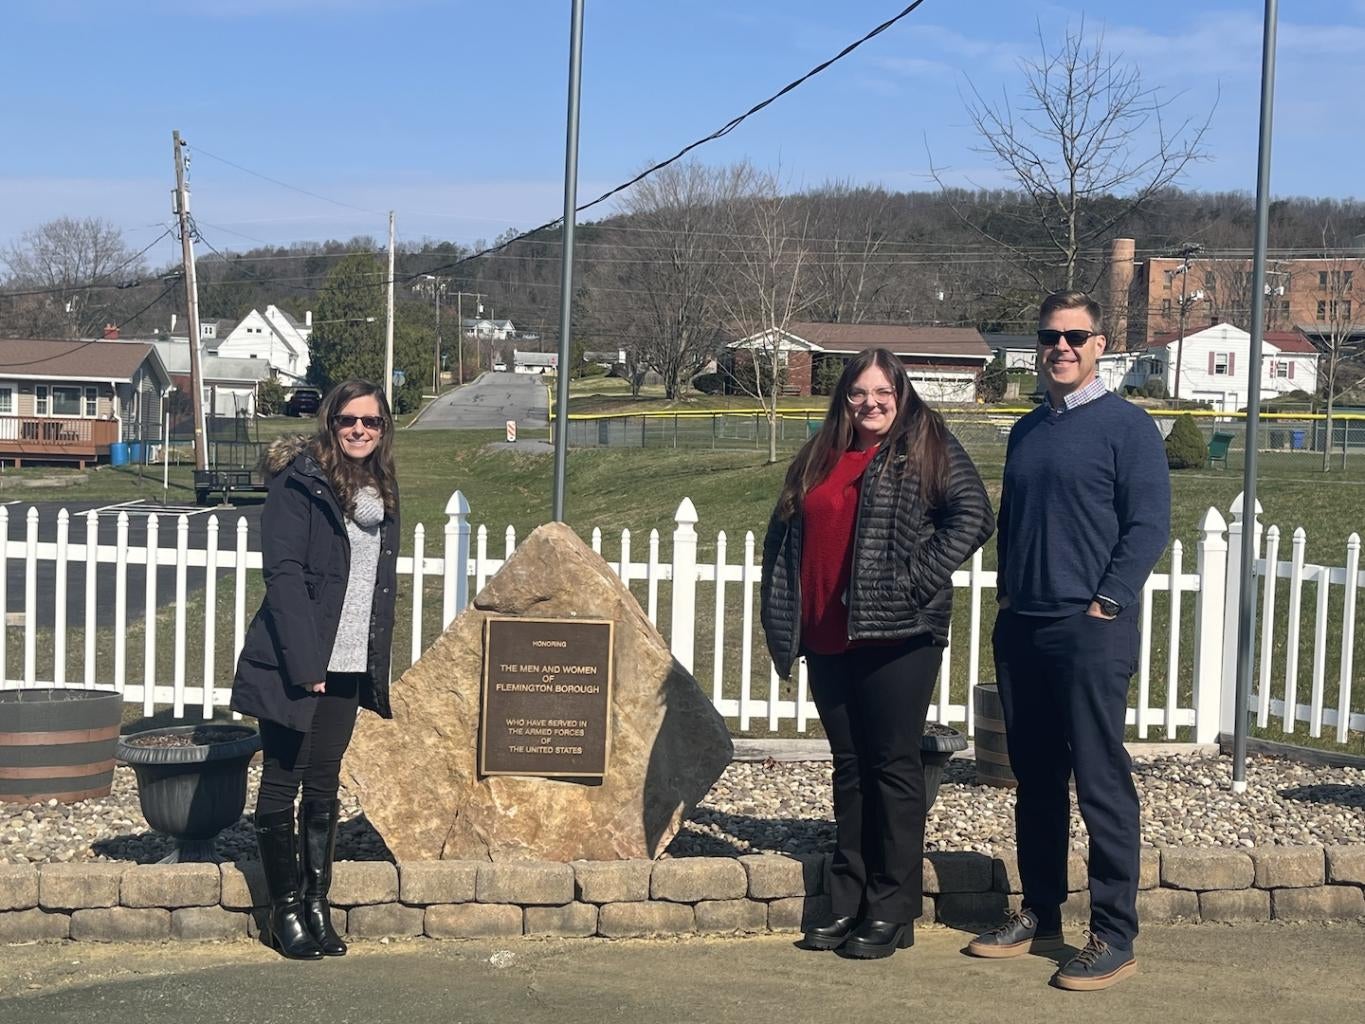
(1145, 296)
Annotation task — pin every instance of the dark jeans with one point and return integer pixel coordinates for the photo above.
(872, 703)
(312, 759)
(1064, 687)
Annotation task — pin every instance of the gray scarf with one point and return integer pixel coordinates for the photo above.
(369, 508)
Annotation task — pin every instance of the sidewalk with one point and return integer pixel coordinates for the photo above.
(1203, 973)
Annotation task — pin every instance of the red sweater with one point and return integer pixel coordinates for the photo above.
(829, 514)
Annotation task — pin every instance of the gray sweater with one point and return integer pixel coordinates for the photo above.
(350, 652)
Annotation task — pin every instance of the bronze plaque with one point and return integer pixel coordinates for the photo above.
(546, 697)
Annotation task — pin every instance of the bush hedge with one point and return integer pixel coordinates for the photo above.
(1185, 446)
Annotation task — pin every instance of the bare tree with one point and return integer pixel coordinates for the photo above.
(763, 291)
(664, 292)
(66, 260)
(1088, 147)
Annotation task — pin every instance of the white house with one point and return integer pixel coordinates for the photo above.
(274, 336)
(534, 362)
(1214, 365)
(1020, 351)
(488, 330)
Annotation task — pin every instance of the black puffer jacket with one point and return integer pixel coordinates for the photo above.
(904, 556)
(306, 559)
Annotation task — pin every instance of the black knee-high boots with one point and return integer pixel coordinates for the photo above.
(286, 929)
(318, 838)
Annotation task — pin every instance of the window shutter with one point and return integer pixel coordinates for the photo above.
(1291, 369)
(1211, 357)
(1232, 364)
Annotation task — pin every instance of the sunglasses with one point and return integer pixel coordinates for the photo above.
(345, 422)
(1077, 338)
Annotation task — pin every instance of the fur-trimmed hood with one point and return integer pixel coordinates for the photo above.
(282, 452)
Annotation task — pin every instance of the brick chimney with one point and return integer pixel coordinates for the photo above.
(110, 332)
(1121, 254)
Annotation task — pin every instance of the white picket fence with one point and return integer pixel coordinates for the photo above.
(1186, 670)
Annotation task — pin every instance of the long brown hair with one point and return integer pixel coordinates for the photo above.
(346, 475)
(918, 433)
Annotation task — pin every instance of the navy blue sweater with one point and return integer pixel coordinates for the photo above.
(1086, 507)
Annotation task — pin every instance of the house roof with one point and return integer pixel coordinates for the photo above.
(1284, 341)
(74, 360)
(958, 342)
(175, 356)
(1011, 341)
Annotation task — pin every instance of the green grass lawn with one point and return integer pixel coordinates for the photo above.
(733, 490)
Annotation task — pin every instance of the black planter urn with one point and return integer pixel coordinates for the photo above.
(938, 744)
(191, 782)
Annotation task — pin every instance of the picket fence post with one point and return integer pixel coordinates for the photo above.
(1231, 603)
(682, 618)
(1209, 605)
(455, 567)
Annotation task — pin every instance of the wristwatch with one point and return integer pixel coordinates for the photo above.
(1109, 607)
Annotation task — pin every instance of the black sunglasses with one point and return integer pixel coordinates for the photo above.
(368, 422)
(1077, 338)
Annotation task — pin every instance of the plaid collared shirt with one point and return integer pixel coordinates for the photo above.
(1081, 396)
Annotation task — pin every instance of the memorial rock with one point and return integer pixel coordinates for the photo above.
(417, 775)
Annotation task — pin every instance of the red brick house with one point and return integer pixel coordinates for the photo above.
(943, 362)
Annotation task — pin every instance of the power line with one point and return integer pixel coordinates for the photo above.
(92, 285)
(725, 129)
(282, 184)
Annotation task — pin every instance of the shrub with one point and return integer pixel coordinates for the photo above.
(991, 386)
(1154, 387)
(1185, 446)
(827, 374)
(269, 397)
(709, 383)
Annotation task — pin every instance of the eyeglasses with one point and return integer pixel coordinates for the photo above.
(1077, 338)
(345, 422)
(857, 396)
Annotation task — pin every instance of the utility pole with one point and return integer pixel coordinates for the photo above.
(1186, 251)
(436, 366)
(388, 326)
(182, 210)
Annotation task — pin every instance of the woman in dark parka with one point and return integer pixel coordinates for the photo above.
(319, 646)
(877, 511)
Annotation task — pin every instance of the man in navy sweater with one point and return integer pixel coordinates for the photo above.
(1084, 516)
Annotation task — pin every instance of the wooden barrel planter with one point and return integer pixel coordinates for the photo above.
(57, 744)
(992, 756)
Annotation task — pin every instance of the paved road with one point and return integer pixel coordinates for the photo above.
(489, 402)
(1205, 973)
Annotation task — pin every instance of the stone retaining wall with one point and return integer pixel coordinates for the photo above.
(104, 902)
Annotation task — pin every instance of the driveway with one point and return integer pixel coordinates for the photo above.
(487, 403)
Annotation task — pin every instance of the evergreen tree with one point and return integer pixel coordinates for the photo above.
(1185, 446)
(348, 340)
(994, 379)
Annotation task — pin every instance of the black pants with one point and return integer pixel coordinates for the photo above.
(872, 703)
(1064, 687)
(309, 759)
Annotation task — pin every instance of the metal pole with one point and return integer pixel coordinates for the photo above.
(1247, 607)
(436, 369)
(388, 325)
(566, 264)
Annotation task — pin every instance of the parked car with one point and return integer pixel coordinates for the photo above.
(303, 402)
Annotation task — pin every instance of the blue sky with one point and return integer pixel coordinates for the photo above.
(452, 112)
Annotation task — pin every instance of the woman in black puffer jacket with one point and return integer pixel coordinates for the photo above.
(878, 510)
(319, 646)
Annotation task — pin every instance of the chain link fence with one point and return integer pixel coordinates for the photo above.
(1283, 441)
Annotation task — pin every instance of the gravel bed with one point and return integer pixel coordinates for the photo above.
(784, 807)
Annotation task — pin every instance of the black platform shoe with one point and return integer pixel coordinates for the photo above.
(830, 936)
(873, 940)
(318, 840)
(285, 928)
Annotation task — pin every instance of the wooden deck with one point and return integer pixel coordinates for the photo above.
(55, 439)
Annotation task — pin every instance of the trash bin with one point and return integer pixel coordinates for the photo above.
(135, 452)
(118, 454)
(1296, 439)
